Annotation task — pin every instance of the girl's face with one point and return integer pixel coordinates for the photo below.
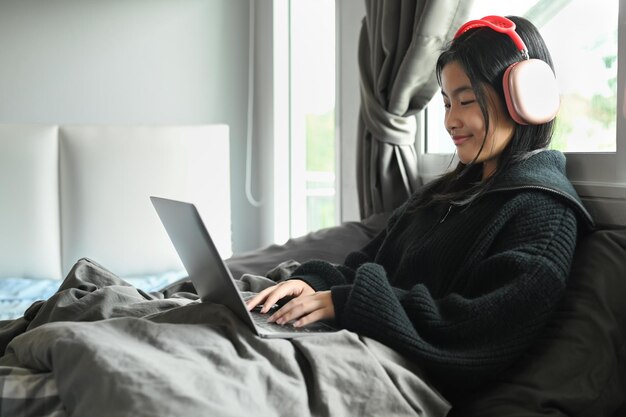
(466, 124)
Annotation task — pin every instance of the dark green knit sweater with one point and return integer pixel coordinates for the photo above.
(463, 290)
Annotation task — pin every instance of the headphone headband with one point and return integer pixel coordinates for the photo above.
(499, 24)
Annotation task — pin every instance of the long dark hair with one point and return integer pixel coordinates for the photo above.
(484, 55)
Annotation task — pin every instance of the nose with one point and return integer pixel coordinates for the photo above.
(451, 120)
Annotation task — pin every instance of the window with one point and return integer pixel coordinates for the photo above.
(582, 38)
(311, 50)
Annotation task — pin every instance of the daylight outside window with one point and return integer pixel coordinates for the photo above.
(312, 115)
(582, 37)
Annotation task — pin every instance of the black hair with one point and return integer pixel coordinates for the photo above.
(484, 55)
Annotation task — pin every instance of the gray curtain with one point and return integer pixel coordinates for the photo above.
(398, 47)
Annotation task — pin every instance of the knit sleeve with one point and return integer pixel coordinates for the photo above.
(462, 339)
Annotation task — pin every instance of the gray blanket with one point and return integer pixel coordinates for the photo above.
(100, 347)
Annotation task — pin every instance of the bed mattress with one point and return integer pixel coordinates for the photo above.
(17, 294)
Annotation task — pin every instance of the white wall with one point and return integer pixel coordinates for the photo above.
(131, 62)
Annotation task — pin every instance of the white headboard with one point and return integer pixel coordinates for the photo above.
(68, 192)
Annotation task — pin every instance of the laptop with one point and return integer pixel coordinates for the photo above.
(211, 276)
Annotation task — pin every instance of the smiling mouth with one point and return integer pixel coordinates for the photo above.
(458, 139)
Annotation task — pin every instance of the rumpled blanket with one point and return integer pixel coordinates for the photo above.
(101, 347)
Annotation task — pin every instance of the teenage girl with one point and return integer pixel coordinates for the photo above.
(470, 268)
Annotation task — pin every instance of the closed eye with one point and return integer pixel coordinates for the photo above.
(465, 103)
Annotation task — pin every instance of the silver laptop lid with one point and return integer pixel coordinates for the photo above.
(206, 269)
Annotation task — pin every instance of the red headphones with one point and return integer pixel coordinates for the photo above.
(530, 88)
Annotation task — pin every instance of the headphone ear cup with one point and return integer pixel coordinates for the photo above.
(531, 92)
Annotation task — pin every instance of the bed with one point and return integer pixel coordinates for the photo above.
(136, 341)
(101, 346)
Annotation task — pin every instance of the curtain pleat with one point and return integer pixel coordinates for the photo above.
(399, 44)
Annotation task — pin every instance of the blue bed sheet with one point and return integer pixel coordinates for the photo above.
(17, 294)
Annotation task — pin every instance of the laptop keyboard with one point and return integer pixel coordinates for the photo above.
(260, 320)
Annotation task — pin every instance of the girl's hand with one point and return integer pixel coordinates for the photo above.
(270, 296)
(306, 309)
